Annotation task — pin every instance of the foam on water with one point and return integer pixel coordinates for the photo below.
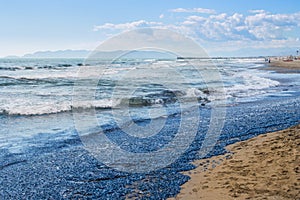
(42, 108)
(249, 84)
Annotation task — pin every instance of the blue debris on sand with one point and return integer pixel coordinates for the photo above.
(65, 170)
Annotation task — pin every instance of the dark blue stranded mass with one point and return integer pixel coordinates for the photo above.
(64, 166)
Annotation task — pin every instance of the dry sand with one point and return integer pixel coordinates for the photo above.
(283, 67)
(279, 63)
(264, 167)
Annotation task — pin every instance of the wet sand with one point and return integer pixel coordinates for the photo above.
(264, 167)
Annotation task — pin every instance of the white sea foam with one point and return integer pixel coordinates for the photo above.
(249, 84)
(41, 108)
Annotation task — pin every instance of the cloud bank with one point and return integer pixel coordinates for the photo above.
(254, 29)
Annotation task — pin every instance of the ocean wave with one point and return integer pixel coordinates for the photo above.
(50, 72)
(166, 97)
(14, 68)
(251, 82)
(11, 81)
(44, 108)
(58, 66)
(35, 67)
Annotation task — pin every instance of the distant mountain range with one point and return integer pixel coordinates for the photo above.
(244, 52)
(58, 54)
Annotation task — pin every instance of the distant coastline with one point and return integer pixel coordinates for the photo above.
(69, 53)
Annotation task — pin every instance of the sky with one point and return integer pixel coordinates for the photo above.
(222, 28)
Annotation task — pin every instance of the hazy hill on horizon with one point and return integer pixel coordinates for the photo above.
(245, 52)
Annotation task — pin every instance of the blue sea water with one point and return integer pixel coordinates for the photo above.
(40, 142)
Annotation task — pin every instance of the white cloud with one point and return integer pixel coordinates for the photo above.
(259, 25)
(216, 27)
(257, 11)
(193, 10)
(219, 17)
(161, 16)
(271, 26)
(196, 18)
(276, 19)
(126, 26)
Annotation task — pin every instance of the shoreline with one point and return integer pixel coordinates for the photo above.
(264, 167)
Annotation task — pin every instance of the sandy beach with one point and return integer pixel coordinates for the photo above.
(295, 64)
(281, 66)
(264, 167)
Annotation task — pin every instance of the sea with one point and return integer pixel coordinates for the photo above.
(38, 96)
(41, 100)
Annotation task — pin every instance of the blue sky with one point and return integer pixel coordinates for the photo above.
(232, 27)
